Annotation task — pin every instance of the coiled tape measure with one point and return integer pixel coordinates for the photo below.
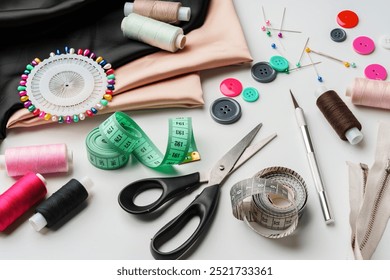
(271, 202)
(110, 145)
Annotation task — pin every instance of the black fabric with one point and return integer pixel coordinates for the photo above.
(34, 28)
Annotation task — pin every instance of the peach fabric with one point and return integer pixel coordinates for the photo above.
(164, 94)
(164, 79)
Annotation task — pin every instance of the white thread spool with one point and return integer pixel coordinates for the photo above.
(153, 32)
(184, 13)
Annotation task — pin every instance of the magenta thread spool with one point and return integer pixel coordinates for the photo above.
(21, 196)
(52, 158)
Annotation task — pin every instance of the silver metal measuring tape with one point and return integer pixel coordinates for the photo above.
(270, 202)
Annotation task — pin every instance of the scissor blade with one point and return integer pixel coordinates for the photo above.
(252, 150)
(223, 167)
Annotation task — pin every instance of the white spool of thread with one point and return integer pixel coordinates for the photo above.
(155, 33)
(184, 13)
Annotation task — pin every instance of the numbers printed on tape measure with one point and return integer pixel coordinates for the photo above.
(101, 155)
(126, 137)
(271, 202)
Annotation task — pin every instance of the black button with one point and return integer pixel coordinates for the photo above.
(338, 35)
(263, 72)
(225, 110)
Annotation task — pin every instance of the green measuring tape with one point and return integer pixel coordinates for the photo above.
(110, 145)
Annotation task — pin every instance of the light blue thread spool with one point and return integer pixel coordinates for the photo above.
(153, 32)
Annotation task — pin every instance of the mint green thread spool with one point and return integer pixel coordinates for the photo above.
(153, 32)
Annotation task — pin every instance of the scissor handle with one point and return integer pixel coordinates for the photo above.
(170, 186)
(203, 207)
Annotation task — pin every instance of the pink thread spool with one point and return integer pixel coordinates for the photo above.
(370, 93)
(21, 196)
(52, 158)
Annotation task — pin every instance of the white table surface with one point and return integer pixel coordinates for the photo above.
(102, 230)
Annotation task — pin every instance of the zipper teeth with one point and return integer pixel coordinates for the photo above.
(364, 169)
(377, 202)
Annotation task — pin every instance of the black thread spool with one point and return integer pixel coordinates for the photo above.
(60, 203)
(339, 116)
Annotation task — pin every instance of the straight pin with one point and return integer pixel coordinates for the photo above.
(280, 35)
(267, 23)
(345, 63)
(319, 78)
(298, 64)
(285, 30)
(303, 66)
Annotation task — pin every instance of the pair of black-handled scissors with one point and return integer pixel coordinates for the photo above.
(204, 204)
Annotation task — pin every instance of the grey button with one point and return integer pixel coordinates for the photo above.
(225, 110)
(338, 35)
(263, 72)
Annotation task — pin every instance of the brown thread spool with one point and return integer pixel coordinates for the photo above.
(339, 116)
(169, 12)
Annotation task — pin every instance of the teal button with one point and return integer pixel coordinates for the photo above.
(250, 94)
(279, 63)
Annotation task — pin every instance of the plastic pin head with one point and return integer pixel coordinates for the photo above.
(346, 64)
(307, 50)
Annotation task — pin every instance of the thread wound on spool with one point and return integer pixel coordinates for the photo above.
(21, 196)
(370, 93)
(337, 113)
(53, 158)
(153, 32)
(62, 202)
(170, 12)
(159, 10)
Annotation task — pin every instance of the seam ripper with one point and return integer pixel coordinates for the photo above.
(315, 172)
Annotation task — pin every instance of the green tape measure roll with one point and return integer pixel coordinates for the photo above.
(124, 136)
(271, 202)
(100, 153)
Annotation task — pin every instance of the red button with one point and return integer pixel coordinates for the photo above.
(347, 19)
(231, 87)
